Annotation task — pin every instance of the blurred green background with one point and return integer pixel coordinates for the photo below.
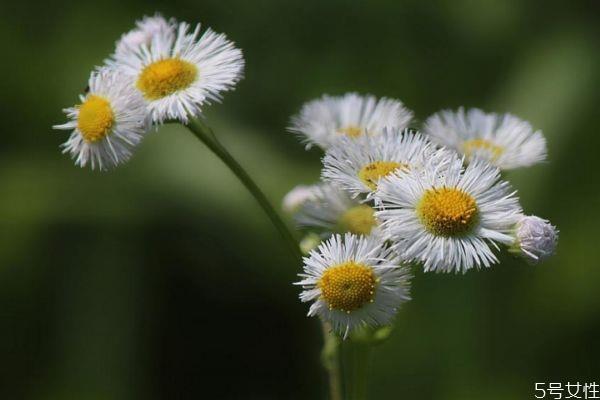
(164, 280)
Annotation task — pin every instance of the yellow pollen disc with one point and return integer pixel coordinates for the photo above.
(165, 77)
(447, 211)
(474, 145)
(359, 220)
(95, 119)
(348, 286)
(350, 130)
(371, 173)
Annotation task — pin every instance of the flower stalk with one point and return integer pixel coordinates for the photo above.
(331, 345)
(330, 357)
(206, 135)
(355, 362)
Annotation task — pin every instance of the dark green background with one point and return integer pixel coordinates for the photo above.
(163, 279)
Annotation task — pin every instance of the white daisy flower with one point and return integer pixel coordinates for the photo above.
(142, 35)
(108, 124)
(536, 238)
(332, 210)
(357, 165)
(447, 217)
(294, 199)
(178, 74)
(354, 281)
(321, 122)
(503, 140)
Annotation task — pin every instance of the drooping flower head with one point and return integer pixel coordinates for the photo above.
(332, 210)
(178, 74)
(108, 123)
(142, 35)
(354, 281)
(448, 217)
(536, 238)
(323, 121)
(501, 139)
(357, 165)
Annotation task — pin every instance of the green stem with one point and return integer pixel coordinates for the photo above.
(355, 368)
(331, 346)
(330, 357)
(206, 135)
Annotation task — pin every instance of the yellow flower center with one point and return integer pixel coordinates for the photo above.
(358, 219)
(350, 130)
(348, 286)
(371, 173)
(165, 77)
(474, 145)
(95, 119)
(447, 211)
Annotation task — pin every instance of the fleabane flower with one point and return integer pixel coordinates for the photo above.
(448, 217)
(142, 35)
(108, 123)
(354, 281)
(357, 165)
(332, 210)
(323, 121)
(501, 139)
(178, 74)
(536, 238)
(296, 197)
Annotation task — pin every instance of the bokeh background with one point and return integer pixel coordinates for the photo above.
(164, 280)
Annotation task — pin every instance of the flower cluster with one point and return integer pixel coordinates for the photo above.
(161, 70)
(391, 197)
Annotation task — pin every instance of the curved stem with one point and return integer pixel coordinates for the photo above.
(206, 135)
(331, 346)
